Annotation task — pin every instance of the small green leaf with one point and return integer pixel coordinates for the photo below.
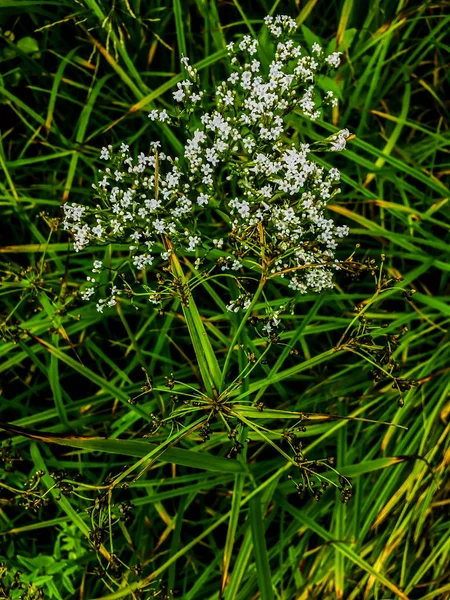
(349, 36)
(309, 37)
(328, 84)
(28, 45)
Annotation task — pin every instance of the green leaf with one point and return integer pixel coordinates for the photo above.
(309, 37)
(28, 45)
(206, 357)
(134, 448)
(328, 84)
(260, 549)
(179, 25)
(232, 527)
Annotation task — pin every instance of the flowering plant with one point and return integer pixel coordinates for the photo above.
(241, 200)
(241, 196)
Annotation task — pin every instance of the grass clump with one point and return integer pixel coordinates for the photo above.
(179, 448)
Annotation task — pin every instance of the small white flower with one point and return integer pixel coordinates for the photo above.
(103, 183)
(338, 140)
(97, 231)
(135, 236)
(266, 191)
(248, 143)
(193, 240)
(87, 293)
(203, 199)
(334, 175)
(334, 60)
(179, 95)
(159, 225)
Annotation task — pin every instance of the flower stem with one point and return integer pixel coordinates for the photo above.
(238, 331)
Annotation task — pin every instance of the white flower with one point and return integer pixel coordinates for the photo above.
(334, 60)
(338, 140)
(135, 236)
(104, 155)
(272, 323)
(97, 230)
(142, 260)
(159, 226)
(202, 199)
(334, 175)
(103, 183)
(266, 191)
(249, 143)
(157, 115)
(194, 240)
(87, 293)
(331, 99)
(179, 95)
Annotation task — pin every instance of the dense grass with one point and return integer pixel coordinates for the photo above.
(204, 526)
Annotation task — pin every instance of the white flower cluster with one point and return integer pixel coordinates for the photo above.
(242, 301)
(280, 24)
(338, 140)
(241, 194)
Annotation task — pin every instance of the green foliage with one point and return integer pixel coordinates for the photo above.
(116, 478)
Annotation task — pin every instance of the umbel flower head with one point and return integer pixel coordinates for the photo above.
(241, 197)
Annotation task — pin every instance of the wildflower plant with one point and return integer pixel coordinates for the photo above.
(176, 480)
(241, 201)
(242, 198)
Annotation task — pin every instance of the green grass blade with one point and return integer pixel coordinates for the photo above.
(232, 527)
(341, 547)
(260, 550)
(134, 449)
(179, 27)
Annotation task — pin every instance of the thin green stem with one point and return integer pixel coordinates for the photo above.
(238, 331)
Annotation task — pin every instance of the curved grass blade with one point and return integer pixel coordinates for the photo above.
(132, 448)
